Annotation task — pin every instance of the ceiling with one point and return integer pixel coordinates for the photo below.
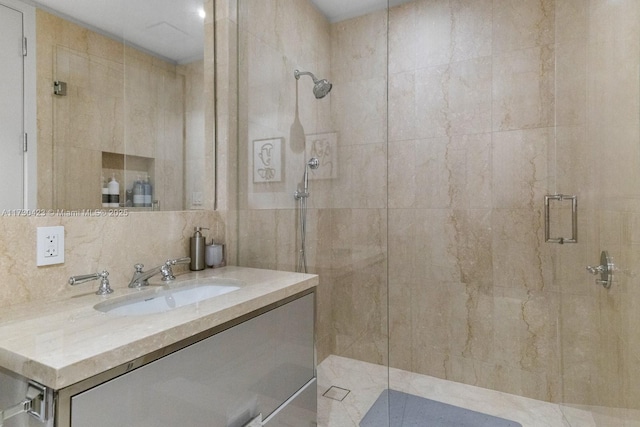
(173, 29)
(340, 10)
(170, 29)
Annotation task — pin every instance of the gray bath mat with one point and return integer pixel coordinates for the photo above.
(408, 410)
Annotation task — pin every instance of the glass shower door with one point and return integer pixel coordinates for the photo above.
(492, 106)
(286, 50)
(598, 158)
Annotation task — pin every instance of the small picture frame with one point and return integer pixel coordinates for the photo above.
(324, 147)
(267, 160)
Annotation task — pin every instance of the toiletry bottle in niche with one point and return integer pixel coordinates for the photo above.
(114, 192)
(138, 193)
(128, 198)
(105, 193)
(147, 189)
(197, 250)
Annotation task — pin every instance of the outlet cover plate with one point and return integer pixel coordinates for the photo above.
(50, 245)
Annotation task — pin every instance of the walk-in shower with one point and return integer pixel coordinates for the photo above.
(428, 234)
(320, 87)
(301, 195)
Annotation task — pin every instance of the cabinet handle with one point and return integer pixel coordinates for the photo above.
(35, 404)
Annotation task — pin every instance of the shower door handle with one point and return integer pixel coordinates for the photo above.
(574, 219)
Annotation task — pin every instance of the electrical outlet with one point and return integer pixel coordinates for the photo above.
(50, 245)
(196, 197)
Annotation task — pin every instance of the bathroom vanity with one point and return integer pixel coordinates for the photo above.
(243, 358)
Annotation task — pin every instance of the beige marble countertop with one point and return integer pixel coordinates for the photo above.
(60, 342)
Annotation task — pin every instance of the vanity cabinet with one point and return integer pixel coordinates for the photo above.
(260, 367)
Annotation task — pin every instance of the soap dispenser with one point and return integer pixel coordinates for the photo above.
(197, 250)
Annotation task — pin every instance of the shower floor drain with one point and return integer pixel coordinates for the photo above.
(336, 393)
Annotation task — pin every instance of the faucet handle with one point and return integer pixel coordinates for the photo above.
(138, 268)
(166, 270)
(104, 288)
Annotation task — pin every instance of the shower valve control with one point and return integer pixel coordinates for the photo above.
(605, 270)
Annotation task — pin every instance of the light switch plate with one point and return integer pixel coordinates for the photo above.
(50, 245)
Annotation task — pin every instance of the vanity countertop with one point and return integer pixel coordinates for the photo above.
(58, 343)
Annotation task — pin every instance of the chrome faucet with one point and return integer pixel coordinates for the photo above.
(141, 278)
(104, 289)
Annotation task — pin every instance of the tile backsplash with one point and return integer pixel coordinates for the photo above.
(91, 245)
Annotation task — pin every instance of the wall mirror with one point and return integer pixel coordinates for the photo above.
(121, 94)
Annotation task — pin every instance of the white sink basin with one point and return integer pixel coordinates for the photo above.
(188, 292)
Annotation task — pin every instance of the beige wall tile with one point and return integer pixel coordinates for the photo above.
(521, 260)
(522, 24)
(454, 98)
(358, 110)
(450, 31)
(358, 48)
(520, 167)
(613, 20)
(523, 85)
(402, 120)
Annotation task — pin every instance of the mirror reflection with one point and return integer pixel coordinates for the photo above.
(121, 104)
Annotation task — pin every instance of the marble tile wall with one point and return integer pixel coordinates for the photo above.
(276, 38)
(599, 50)
(226, 113)
(351, 251)
(94, 243)
(491, 105)
(346, 235)
(471, 115)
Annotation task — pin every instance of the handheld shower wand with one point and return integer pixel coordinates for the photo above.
(301, 197)
(313, 163)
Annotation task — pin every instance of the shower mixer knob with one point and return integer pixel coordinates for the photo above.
(604, 270)
(314, 163)
(595, 270)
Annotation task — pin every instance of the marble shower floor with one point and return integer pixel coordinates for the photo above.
(365, 382)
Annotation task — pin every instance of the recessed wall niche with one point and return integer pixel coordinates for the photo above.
(128, 169)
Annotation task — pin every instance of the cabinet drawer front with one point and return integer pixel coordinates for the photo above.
(300, 411)
(223, 380)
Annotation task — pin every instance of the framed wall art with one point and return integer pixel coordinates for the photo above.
(267, 160)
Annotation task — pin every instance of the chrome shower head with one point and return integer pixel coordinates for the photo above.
(320, 87)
